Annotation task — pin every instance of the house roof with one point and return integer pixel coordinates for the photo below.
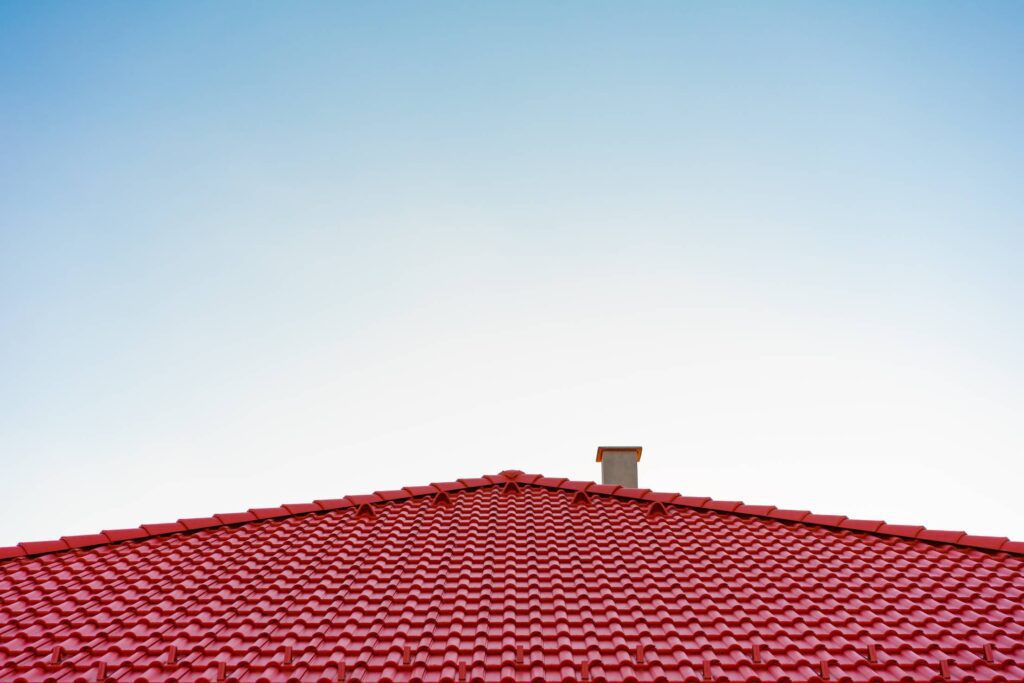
(514, 577)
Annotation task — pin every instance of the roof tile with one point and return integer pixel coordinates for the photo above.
(723, 505)
(692, 501)
(301, 508)
(826, 520)
(861, 524)
(392, 495)
(789, 515)
(124, 534)
(334, 504)
(992, 542)
(906, 530)
(942, 536)
(236, 517)
(84, 541)
(165, 528)
(762, 510)
(279, 601)
(193, 523)
(34, 547)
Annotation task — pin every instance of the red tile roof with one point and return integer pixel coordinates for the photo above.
(514, 577)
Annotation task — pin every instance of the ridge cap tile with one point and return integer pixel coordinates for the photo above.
(905, 530)
(990, 542)
(723, 505)
(690, 501)
(661, 497)
(789, 515)
(448, 485)
(633, 493)
(84, 540)
(195, 523)
(416, 491)
(36, 547)
(124, 534)
(940, 535)
(268, 513)
(825, 520)
(301, 508)
(606, 489)
(333, 503)
(397, 494)
(236, 517)
(550, 482)
(861, 524)
(364, 499)
(759, 510)
(473, 482)
(163, 528)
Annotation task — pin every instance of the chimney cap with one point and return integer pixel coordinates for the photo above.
(601, 451)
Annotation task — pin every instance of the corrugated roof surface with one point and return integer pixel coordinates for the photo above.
(514, 578)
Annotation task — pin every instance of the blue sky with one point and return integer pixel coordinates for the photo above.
(254, 253)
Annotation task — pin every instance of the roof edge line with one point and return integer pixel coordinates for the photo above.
(193, 524)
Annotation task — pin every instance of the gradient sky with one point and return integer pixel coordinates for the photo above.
(264, 253)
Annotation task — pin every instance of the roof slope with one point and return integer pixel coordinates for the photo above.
(514, 577)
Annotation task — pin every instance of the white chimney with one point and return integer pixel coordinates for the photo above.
(618, 464)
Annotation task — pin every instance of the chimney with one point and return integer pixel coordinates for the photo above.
(618, 464)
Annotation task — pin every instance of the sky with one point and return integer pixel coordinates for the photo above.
(263, 253)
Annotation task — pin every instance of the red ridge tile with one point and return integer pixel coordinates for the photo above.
(991, 542)
(11, 551)
(334, 504)
(604, 489)
(826, 520)
(124, 534)
(661, 497)
(474, 482)
(761, 510)
(553, 482)
(420, 490)
(691, 501)
(268, 513)
(165, 528)
(905, 530)
(861, 524)
(36, 547)
(942, 536)
(84, 541)
(637, 494)
(301, 508)
(1013, 547)
(392, 495)
(363, 500)
(723, 505)
(194, 523)
(448, 486)
(236, 517)
(789, 515)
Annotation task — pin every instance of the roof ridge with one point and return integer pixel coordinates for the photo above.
(517, 478)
